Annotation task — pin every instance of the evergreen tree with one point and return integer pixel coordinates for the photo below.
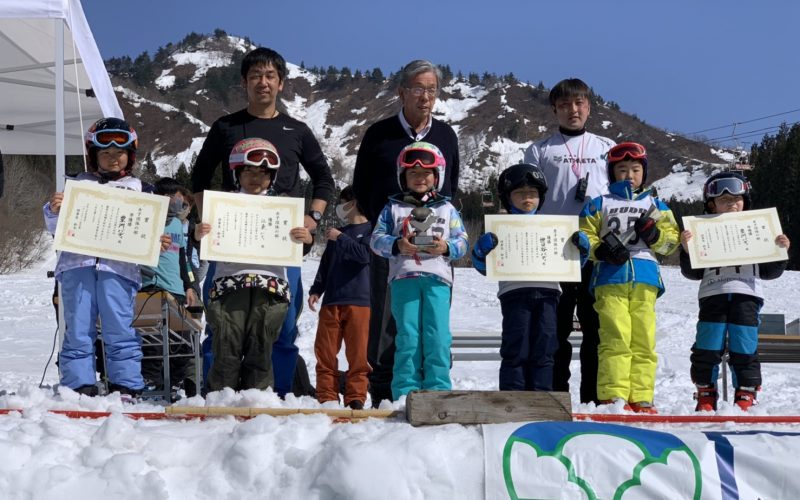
(776, 178)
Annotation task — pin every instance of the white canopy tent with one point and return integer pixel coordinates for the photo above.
(53, 82)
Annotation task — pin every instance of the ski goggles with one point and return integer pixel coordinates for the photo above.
(257, 158)
(733, 185)
(112, 137)
(425, 158)
(631, 150)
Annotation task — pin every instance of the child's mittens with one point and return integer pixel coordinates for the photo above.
(646, 230)
(485, 244)
(617, 255)
(581, 241)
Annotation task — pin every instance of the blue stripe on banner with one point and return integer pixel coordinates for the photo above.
(725, 468)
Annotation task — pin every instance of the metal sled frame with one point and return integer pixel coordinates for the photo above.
(159, 320)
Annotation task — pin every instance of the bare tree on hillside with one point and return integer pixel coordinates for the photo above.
(28, 182)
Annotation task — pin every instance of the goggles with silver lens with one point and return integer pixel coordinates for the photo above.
(111, 137)
(257, 158)
(733, 185)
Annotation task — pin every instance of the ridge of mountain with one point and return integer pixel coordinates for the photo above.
(173, 98)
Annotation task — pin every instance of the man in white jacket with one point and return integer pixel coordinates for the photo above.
(574, 163)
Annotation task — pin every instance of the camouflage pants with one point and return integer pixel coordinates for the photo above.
(246, 323)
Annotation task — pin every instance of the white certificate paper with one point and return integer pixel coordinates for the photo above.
(112, 223)
(533, 248)
(252, 229)
(734, 238)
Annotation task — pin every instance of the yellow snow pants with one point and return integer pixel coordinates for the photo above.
(627, 352)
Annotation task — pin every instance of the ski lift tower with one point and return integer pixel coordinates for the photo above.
(742, 161)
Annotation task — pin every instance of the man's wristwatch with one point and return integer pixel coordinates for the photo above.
(316, 215)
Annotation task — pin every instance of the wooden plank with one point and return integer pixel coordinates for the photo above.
(486, 407)
(248, 412)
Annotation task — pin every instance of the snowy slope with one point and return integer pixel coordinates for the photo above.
(50, 456)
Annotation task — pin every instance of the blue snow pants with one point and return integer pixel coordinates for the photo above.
(529, 339)
(284, 352)
(421, 308)
(87, 293)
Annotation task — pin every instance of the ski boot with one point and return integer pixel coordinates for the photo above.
(745, 397)
(612, 401)
(706, 397)
(644, 407)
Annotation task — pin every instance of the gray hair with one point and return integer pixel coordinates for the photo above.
(417, 67)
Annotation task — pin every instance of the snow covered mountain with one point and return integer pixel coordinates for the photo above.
(174, 97)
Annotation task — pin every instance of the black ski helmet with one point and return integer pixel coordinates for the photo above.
(516, 176)
(716, 186)
(95, 140)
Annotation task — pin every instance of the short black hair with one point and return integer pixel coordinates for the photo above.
(347, 195)
(263, 56)
(571, 87)
(166, 186)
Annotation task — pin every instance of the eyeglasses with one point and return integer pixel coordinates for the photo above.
(111, 137)
(418, 91)
(733, 185)
(422, 157)
(632, 150)
(257, 158)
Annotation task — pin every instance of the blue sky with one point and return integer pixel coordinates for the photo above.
(682, 65)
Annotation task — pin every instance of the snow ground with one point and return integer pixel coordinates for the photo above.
(45, 455)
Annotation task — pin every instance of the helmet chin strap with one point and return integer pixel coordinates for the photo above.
(112, 176)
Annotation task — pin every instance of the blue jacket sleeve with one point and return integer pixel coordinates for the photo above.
(458, 243)
(318, 287)
(382, 239)
(353, 250)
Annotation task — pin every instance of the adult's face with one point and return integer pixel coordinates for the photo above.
(572, 112)
(263, 84)
(418, 108)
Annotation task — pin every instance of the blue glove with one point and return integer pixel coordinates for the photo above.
(580, 240)
(485, 244)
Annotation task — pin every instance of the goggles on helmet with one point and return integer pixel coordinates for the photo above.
(111, 137)
(425, 158)
(257, 158)
(733, 185)
(631, 150)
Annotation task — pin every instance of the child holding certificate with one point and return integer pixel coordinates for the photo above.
(420, 232)
(730, 301)
(343, 282)
(529, 340)
(92, 287)
(626, 228)
(248, 302)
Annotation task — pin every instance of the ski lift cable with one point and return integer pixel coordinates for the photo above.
(734, 124)
(749, 133)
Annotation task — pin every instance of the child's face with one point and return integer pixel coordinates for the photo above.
(112, 159)
(630, 170)
(525, 198)
(726, 203)
(420, 180)
(254, 180)
(572, 112)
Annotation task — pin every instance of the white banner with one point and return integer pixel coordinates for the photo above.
(587, 460)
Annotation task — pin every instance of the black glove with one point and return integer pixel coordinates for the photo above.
(617, 255)
(646, 230)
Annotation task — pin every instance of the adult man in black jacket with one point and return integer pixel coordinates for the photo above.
(263, 73)
(375, 179)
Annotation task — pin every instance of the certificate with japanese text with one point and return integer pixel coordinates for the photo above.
(734, 238)
(112, 223)
(533, 248)
(252, 229)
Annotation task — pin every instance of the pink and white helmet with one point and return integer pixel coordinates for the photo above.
(254, 152)
(425, 155)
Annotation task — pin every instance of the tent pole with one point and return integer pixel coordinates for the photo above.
(59, 60)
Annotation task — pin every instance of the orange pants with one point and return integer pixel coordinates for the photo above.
(351, 324)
